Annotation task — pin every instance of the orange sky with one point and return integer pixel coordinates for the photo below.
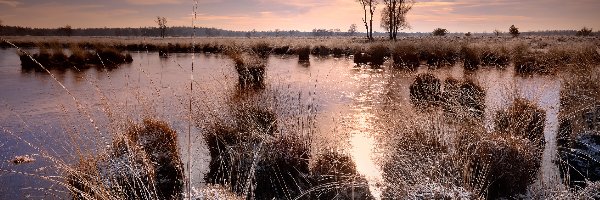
(304, 15)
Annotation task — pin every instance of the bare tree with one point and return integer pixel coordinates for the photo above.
(497, 32)
(369, 7)
(162, 25)
(393, 16)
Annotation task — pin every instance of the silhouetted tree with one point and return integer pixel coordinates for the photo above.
(393, 16)
(369, 6)
(352, 29)
(514, 31)
(67, 30)
(468, 34)
(585, 31)
(162, 25)
(439, 32)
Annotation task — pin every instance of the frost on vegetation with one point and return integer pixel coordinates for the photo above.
(144, 163)
(22, 159)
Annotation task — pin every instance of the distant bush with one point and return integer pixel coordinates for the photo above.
(584, 32)
(440, 32)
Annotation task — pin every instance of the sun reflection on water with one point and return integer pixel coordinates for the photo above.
(362, 151)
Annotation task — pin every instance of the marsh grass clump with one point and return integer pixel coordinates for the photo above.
(497, 166)
(250, 69)
(497, 56)
(252, 155)
(425, 90)
(375, 55)
(471, 57)
(463, 98)
(438, 53)
(282, 50)
(406, 55)
(523, 119)
(335, 177)
(321, 50)
(102, 57)
(303, 53)
(144, 163)
(262, 49)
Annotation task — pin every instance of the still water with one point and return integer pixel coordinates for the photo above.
(42, 119)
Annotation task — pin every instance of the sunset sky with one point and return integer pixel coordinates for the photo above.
(303, 15)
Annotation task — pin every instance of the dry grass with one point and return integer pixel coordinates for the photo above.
(523, 120)
(530, 55)
(425, 90)
(143, 163)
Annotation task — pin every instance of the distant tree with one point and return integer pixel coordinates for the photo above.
(352, 30)
(371, 5)
(497, 32)
(393, 16)
(468, 34)
(514, 31)
(162, 25)
(585, 31)
(67, 30)
(439, 32)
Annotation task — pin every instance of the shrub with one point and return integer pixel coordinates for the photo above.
(406, 55)
(514, 31)
(585, 31)
(425, 90)
(439, 32)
